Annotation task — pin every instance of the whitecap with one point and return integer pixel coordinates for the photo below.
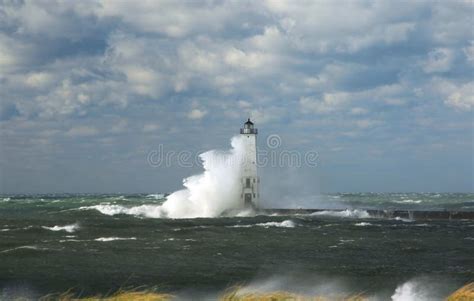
(68, 228)
(114, 238)
(284, 224)
(355, 213)
(240, 226)
(152, 211)
(409, 201)
(346, 240)
(72, 240)
(23, 247)
(155, 196)
(406, 220)
(363, 224)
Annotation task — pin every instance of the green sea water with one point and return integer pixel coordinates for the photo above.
(100, 243)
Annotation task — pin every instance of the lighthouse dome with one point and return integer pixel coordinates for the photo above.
(248, 124)
(248, 128)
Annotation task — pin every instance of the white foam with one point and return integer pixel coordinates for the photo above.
(153, 211)
(355, 213)
(157, 196)
(241, 226)
(422, 225)
(114, 238)
(245, 213)
(23, 247)
(72, 240)
(68, 228)
(345, 240)
(284, 224)
(406, 220)
(409, 202)
(363, 224)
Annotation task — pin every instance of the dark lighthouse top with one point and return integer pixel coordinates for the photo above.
(248, 128)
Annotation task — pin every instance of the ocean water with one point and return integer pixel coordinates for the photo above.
(100, 243)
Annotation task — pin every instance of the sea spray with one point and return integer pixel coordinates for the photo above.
(208, 194)
(215, 190)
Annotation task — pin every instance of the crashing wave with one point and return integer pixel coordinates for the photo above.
(209, 194)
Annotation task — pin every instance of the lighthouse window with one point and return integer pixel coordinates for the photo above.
(247, 182)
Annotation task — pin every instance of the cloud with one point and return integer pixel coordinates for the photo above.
(469, 52)
(128, 68)
(328, 103)
(459, 96)
(366, 123)
(359, 111)
(462, 97)
(196, 114)
(82, 131)
(151, 127)
(439, 60)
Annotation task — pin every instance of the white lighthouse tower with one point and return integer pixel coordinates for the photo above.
(250, 181)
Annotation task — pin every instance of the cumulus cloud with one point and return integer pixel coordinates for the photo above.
(469, 52)
(439, 60)
(461, 97)
(328, 103)
(196, 114)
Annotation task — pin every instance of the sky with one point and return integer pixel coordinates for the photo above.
(381, 91)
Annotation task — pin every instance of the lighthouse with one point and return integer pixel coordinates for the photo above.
(250, 181)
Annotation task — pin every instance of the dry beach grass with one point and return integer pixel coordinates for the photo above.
(465, 293)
